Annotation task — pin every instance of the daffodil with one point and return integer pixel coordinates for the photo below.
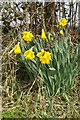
(25, 33)
(61, 32)
(40, 54)
(63, 22)
(57, 26)
(29, 54)
(16, 49)
(27, 36)
(50, 36)
(44, 56)
(43, 35)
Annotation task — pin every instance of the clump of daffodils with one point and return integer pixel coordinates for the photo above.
(27, 36)
(44, 56)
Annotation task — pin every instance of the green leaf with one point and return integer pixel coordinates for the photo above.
(53, 69)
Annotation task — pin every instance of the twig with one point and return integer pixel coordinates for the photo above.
(35, 79)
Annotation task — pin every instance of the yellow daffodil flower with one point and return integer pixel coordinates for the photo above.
(57, 26)
(63, 22)
(44, 56)
(40, 54)
(27, 36)
(25, 33)
(43, 35)
(50, 36)
(16, 49)
(29, 54)
(61, 32)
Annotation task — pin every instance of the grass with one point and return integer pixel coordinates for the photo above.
(35, 105)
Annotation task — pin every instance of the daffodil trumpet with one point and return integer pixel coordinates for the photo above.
(16, 49)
